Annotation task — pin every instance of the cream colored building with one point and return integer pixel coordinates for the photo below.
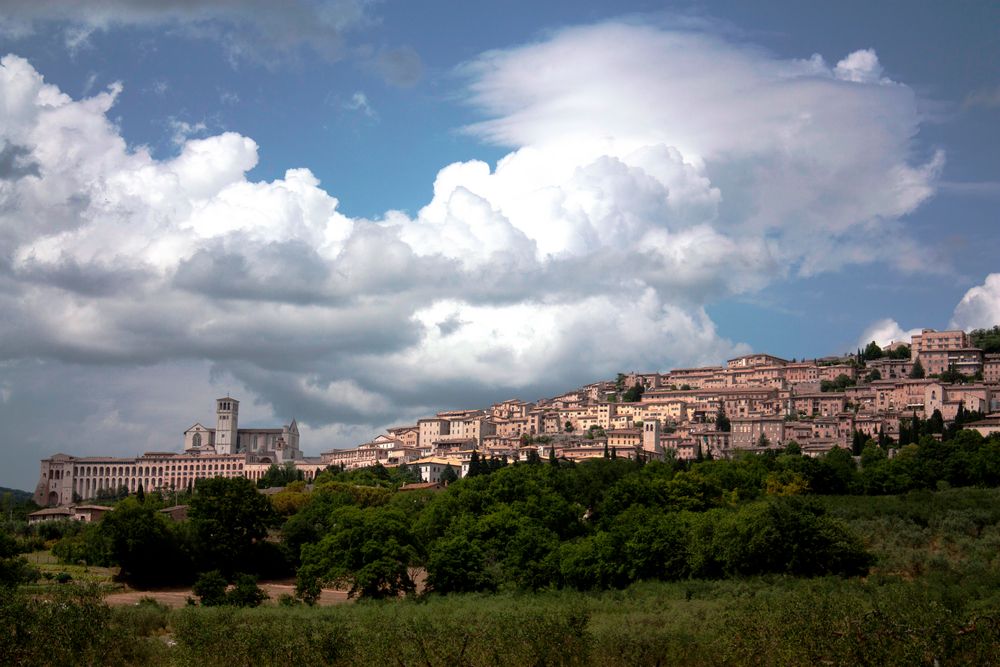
(223, 451)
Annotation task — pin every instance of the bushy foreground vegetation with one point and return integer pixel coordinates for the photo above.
(779, 621)
(932, 597)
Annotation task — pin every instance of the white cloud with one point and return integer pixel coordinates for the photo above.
(886, 331)
(860, 67)
(159, 87)
(980, 307)
(783, 141)
(184, 130)
(359, 102)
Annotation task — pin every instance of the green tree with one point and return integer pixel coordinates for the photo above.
(872, 351)
(917, 372)
(368, 550)
(988, 340)
(456, 564)
(785, 535)
(474, 466)
(245, 592)
(858, 440)
(14, 569)
(634, 393)
(210, 588)
(840, 384)
(279, 476)
(936, 423)
(837, 474)
(900, 352)
(228, 519)
(448, 475)
(141, 542)
(953, 376)
(722, 421)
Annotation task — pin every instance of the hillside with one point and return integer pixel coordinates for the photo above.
(18, 495)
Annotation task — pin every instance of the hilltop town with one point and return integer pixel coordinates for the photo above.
(754, 402)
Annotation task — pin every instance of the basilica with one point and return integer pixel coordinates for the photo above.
(224, 451)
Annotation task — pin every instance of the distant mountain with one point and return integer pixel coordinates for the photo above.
(18, 495)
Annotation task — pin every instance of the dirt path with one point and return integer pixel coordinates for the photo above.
(177, 597)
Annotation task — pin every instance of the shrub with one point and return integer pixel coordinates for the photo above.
(245, 592)
(210, 589)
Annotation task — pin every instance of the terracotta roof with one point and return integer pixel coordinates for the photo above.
(53, 511)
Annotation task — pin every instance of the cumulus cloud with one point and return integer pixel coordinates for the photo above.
(860, 67)
(886, 331)
(631, 198)
(980, 307)
(783, 140)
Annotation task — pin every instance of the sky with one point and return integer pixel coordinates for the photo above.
(358, 213)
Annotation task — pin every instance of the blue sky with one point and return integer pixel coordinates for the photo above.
(679, 183)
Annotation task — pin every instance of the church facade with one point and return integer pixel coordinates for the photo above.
(223, 451)
(277, 444)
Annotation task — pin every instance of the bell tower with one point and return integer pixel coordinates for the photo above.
(227, 414)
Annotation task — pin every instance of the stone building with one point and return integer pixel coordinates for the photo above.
(223, 451)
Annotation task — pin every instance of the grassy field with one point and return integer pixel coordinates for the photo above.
(779, 621)
(55, 575)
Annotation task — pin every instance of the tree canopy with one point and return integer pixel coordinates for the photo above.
(228, 517)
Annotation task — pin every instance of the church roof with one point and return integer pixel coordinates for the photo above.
(197, 425)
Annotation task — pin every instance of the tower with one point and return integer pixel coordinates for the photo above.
(227, 414)
(651, 439)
